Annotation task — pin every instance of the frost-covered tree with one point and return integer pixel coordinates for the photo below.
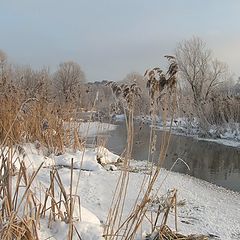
(199, 69)
(34, 83)
(142, 104)
(68, 80)
(3, 59)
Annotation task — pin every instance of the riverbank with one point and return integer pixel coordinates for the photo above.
(208, 160)
(225, 135)
(206, 209)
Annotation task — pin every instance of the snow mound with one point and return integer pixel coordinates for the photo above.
(89, 159)
(85, 160)
(88, 216)
(59, 231)
(105, 156)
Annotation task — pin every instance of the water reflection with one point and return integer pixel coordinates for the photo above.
(209, 161)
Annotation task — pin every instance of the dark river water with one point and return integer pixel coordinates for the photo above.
(213, 162)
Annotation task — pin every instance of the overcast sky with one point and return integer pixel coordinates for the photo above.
(110, 38)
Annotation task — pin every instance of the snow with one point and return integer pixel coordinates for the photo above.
(59, 231)
(89, 129)
(106, 156)
(84, 160)
(209, 209)
(87, 159)
(226, 142)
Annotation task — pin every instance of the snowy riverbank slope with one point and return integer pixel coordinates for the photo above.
(208, 209)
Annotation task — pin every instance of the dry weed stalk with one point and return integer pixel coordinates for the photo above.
(126, 94)
(19, 207)
(35, 118)
(159, 85)
(61, 202)
(165, 233)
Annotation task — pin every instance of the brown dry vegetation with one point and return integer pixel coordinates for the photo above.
(32, 112)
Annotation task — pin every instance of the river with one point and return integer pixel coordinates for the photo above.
(210, 161)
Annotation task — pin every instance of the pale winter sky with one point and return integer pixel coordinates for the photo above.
(110, 38)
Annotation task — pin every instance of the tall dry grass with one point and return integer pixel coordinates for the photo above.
(41, 120)
(162, 92)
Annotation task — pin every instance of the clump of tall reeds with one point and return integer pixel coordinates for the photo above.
(36, 118)
(161, 88)
(19, 206)
(127, 95)
(60, 204)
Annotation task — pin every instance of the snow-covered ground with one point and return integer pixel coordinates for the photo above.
(208, 209)
(90, 129)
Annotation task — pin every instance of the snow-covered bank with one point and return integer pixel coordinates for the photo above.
(209, 209)
(89, 159)
(226, 142)
(90, 129)
(229, 136)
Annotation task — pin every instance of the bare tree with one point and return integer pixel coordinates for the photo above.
(3, 59)
(135, 77)
(199, 70)
(34, 83)
(142, 105)
(68, 80)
